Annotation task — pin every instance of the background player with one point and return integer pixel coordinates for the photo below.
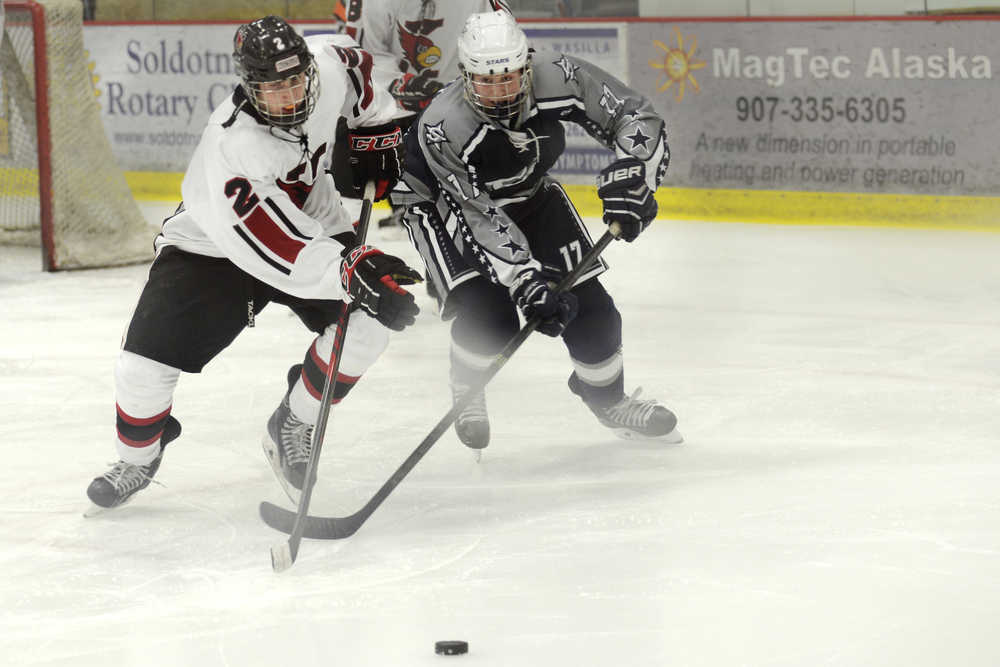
(415, 47)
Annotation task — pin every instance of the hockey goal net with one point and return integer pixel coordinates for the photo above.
(59, 184)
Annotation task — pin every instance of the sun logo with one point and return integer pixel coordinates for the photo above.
(677, 64)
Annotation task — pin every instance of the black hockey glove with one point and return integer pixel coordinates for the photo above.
(414, 93)
(535, 295)
(363, 154)
(373, 279)
(627, 199)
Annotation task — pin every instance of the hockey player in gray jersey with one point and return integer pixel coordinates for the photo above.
(496, 232)
(262, 221)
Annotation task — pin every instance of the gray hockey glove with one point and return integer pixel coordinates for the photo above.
(370, 153)
(372, 280)
(627, 199)
(535, 295)
(414, 93)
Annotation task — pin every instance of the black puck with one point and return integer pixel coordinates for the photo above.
(451, 647)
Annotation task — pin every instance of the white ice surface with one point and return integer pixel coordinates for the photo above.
(837, 501)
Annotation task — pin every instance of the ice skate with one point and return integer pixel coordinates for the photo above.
(117, 486)
(473, 423)
(287, 443)
(632, 418)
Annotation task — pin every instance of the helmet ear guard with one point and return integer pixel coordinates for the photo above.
(267, 52)
(492, 44)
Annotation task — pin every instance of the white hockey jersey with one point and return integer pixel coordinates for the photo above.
(262, 197)
(413, 36)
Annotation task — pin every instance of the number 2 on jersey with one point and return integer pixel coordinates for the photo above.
(245, 198)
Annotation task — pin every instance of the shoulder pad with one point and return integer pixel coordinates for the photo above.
(251, 151)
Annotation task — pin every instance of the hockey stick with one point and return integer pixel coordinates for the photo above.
(283, 555)
(335, 528)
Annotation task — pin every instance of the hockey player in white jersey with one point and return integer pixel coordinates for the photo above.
(261, 221)
(496, 232)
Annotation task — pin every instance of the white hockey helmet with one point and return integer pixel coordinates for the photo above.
(495, 64)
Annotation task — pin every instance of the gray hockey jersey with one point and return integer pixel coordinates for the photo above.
(263, 197)
(413, 36)
(470, 168)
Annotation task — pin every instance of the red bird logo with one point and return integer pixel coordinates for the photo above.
(420, 51)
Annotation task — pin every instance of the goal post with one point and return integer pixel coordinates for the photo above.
(60, 187)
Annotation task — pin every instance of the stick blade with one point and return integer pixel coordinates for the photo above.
(313, 527)
(277, 517)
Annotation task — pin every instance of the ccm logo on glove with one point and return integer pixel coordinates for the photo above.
(372, 281)
(363, 143)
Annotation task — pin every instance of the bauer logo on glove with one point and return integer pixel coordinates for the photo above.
(633, 175)
(626, 196)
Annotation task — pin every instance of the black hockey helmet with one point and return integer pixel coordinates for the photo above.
(269, 51)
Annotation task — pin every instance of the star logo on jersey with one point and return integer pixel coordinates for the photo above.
(661, 171)
(638, 139)
(434, 135)
(501, 230)
(492, 212)
(568, 69)
(513, 247)
(609, 102)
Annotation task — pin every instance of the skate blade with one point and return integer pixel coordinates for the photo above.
(672, 438)
(94, 510)
(271, 454)
(97, 510)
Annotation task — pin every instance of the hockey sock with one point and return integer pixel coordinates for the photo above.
(466, 366)
(364, 342)
(594, 341)
(144, 393)
(486, 319)
(140, 436)
(599, 384)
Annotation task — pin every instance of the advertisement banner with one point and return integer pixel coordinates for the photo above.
(601, 45)
(896, 106)
(157, 84)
